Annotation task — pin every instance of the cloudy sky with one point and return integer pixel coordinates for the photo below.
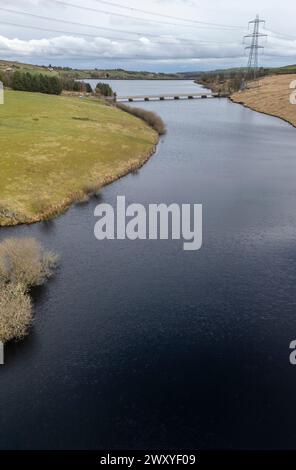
(159, 35)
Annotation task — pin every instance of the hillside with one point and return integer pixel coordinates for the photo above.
(56, 150)
(115, 74)
(272, 97)
(120, 74)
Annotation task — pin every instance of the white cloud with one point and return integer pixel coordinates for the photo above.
(167, 48)
(144, 48)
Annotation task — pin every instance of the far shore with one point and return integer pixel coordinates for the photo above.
(115, 79)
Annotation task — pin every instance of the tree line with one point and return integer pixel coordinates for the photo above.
(36, 83)
(52, 85)
(104, 89)
(228, 81)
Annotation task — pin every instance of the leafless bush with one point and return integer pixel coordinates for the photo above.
(15, 312)
(152, 119)
(23, 262)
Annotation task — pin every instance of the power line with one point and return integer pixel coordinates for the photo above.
(73, 23)
(283, 35)
(162, 15)
(133, 57)
(122, 15)
(125, 7)
(141, 34)
(72, 33)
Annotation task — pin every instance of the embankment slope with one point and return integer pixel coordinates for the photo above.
(271, 97)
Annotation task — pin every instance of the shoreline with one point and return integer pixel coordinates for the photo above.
(85, 196)
(253, 108)
(272, 98)
(77, 148)
(139, 79)
(259, 100)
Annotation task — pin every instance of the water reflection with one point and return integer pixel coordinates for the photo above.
(142, 345)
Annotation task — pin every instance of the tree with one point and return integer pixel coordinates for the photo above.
(77, 86)
(35, 83)
(88, 88)
(104, 89)
(17, 81)
(27, 80)
(67, 83)
(44, 84)
(55, 86)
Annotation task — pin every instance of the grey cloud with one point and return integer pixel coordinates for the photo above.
(167, 47)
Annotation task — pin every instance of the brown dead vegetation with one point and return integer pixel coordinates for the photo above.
(271, 97)
(23, 265)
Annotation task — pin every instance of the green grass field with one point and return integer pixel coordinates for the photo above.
(55, 150)
(33, 69)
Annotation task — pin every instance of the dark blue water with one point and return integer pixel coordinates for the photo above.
(141, 345)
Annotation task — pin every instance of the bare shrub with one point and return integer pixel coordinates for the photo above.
(23, 262)
(15, 312)
(152, 119)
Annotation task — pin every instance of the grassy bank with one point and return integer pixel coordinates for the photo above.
(56, 150)
(272, 97)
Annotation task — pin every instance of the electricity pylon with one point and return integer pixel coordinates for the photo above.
(254, 47)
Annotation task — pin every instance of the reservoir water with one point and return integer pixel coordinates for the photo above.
(149, 87)
(141, 345)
